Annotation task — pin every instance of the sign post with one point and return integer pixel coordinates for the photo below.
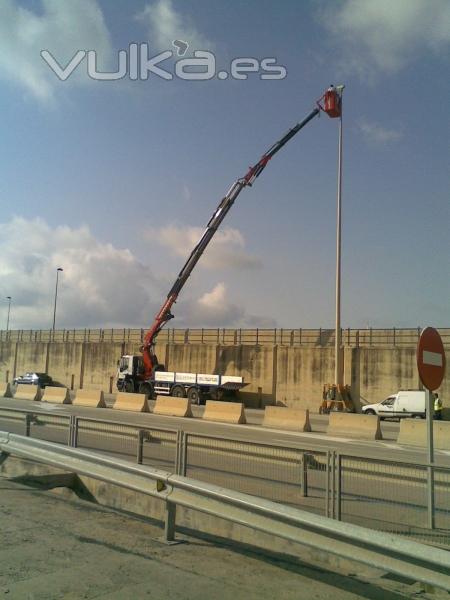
(431, 366)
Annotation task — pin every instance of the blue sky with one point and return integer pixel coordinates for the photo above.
(115, 180)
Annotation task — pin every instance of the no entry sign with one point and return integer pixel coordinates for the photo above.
(431, 358)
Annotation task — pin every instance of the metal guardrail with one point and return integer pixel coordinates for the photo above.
(390, 553)
(322, 337)
(386, 494)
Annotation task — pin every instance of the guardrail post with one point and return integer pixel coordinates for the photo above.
(181, 453)
(338, 486)
(178, 452)
(332, 490)
(333, 484)
(327, 485)
(73, 432)
(169, 524)
(304, 473)
(140, 446)
(28, 421)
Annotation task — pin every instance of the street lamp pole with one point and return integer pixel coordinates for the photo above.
(9, 310)
(56, 297)
(337, 347)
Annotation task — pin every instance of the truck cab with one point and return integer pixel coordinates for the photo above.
(129, 372)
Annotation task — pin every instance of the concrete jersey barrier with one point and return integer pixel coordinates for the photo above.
(93, 398)
(134, 402)
(172, 407)
(57, 395)
(5, 390)
(413, 432)
(281, 417)
(226, 412)
(359, 427)
(27, 392)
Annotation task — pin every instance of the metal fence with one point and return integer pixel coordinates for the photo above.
(355, 338)
(382, 494)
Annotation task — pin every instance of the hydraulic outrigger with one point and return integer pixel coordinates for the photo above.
(331, 105)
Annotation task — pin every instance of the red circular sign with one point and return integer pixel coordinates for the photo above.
(431, 358)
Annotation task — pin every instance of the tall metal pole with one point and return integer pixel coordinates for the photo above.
(56, 297)
(337, 345)
(9, 310)
(430, 455)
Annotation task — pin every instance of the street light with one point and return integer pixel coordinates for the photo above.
(56, 297)
(9, 310)
(337, 347)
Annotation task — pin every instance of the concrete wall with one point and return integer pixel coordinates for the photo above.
(291, 376)
(301, 374)
(64, 363)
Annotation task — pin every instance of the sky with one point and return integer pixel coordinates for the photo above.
(115, 180)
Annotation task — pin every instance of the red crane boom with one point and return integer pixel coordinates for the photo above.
(331, 106)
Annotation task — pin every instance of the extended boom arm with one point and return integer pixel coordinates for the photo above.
(226, 203)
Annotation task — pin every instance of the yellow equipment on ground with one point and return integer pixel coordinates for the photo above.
(336, 398)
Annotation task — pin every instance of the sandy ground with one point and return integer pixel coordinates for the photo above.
(54, 547)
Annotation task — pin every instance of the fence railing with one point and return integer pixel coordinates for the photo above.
(388, 494)
(405, 558)
(355, 338)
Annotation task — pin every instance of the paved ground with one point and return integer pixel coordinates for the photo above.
(58, 548)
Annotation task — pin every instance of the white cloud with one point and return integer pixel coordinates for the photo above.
(62, 28)
(214, 309)
(101, 285)
(386, 35)
(226, 250)
(165, 25)
(377, 134)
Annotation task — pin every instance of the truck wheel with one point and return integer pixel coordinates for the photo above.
(218, 395)
(177, 391)
(128, 386)
(146, 388)
(370, 412)
(194, 396)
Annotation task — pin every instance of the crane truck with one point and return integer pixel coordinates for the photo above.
(144, 373)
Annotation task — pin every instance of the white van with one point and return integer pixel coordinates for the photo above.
(405, 403)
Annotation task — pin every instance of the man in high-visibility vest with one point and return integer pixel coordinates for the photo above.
(437, 407)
